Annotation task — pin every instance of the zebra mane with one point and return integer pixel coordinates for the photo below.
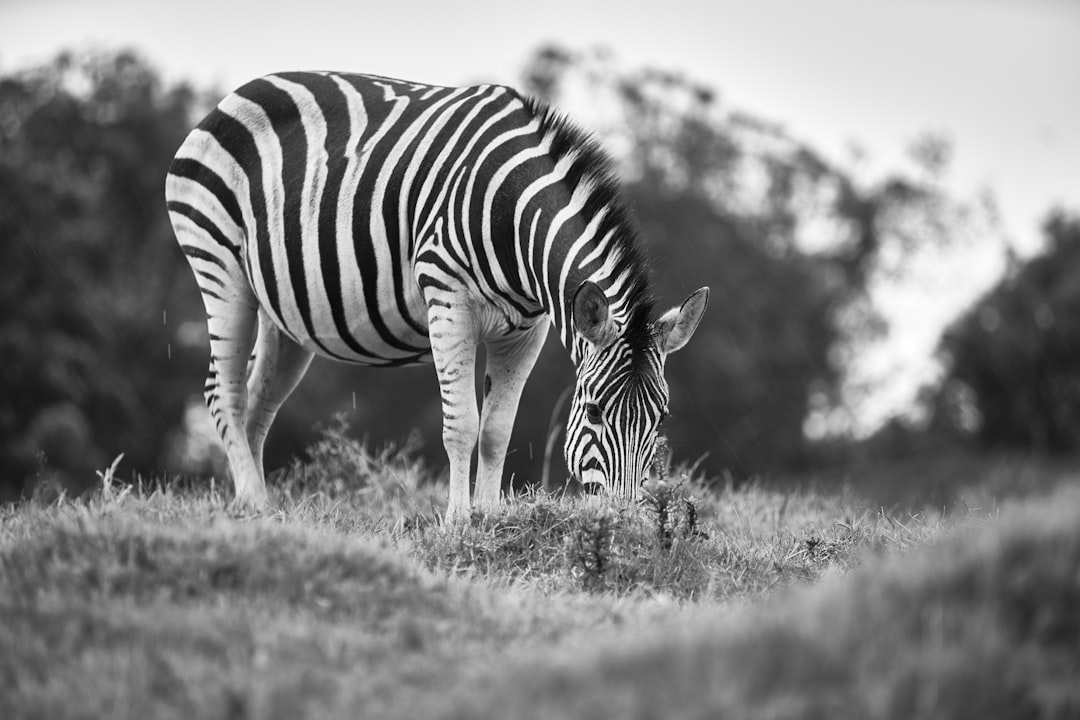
(595, 167)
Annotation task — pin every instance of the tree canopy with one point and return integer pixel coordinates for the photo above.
(1013, 378)
(87, 269)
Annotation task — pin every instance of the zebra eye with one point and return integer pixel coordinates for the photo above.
(592, 412)
(663, 418)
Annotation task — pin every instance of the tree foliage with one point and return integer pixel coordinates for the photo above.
(788, 242)
(86, 267)
(1014, 359)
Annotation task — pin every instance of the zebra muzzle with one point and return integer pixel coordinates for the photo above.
(592, 478)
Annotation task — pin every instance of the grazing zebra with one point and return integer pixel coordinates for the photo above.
(384, 222)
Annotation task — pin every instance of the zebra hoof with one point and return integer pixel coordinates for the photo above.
(457, 517)
(246, 506)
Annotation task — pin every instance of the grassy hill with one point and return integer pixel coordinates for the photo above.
(350, 600)
(983, 625)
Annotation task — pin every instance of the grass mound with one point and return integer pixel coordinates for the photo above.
(982, 626)
(681, 541)
(160, 606)
(256, 563)
(350, 599)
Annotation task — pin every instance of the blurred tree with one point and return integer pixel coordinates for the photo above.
(789, 244)
(86, 269)
(1013, 360)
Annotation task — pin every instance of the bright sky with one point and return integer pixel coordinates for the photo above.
(1001, 78)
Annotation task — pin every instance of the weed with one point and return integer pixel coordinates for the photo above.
(673, 509)
(346, 483)
(589, 550)
(107, 479)
(691, 528)
(659, 496)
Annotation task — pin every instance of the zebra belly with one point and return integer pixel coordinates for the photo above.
(366, 318)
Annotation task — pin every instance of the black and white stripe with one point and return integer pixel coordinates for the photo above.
(383, 222)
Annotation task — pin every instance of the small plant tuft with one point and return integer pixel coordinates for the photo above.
(691, 527)
(659, 496)
(673, 509)
(107, 478)
(590, 550)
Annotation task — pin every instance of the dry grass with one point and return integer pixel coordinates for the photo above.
(983, 625)
(683, 542)
(151, 600)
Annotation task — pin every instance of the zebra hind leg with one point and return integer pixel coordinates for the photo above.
(277, 368)
(216, 261)
(231, 334)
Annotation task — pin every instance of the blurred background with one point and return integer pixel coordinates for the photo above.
(882, 195)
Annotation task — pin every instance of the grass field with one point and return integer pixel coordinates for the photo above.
(350, 600)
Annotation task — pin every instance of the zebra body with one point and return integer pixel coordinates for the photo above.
(383, 222)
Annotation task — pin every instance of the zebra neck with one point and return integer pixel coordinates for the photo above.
(623, 295)
(559, 261)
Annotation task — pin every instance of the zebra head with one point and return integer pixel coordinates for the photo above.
(621, 397)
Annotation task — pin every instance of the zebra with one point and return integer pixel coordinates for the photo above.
(383, 222)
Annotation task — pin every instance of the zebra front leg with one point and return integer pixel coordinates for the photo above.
(453, 333)
(509, 362)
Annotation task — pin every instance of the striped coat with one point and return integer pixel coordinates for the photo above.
(383, 222)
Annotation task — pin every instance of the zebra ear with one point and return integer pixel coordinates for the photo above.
(677, 325)
(591, 317)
